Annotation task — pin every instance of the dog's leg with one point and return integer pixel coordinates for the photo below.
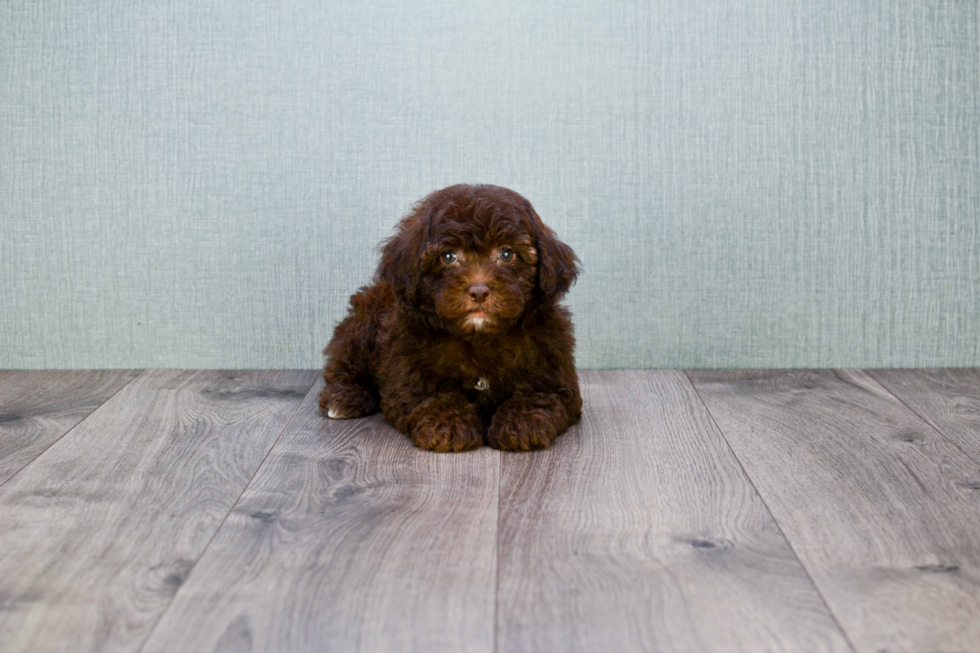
(350, 391)
(532, 421)
(442, 422)
(343, 398)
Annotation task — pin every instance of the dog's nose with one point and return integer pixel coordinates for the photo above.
(479, 292)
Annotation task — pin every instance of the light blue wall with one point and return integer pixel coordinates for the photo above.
(748, 183)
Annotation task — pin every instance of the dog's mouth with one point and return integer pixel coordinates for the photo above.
(479, 321)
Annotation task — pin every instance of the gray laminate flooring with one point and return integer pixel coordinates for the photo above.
(817, 510)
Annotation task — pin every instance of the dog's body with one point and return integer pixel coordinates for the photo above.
(459, 341)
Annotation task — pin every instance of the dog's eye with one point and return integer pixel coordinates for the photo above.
(448, 257)
(506, 255)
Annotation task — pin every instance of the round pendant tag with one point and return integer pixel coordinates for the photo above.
(482, 384)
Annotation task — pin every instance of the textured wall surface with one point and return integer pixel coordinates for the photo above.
(748, 183)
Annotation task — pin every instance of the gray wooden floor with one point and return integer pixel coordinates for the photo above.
(162, 511)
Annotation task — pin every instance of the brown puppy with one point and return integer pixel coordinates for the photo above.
(459, 340)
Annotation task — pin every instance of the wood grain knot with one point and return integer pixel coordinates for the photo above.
(251, 394)
(346, 492)
(711, 543)
(912, 438)
(267, 517)
(938, 569)
(174, 580)
(176, 574)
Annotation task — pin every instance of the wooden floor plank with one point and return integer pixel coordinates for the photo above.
(101, 530)
(638, 531)
(883, 511)
(949, 399)
(39, 406)
(348, 539)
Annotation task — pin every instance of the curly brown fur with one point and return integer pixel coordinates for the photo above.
(465, 296)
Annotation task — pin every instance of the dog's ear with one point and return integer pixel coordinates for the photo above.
(401, 257)
(557, 263)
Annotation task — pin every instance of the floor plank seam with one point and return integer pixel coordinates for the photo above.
(923, 418)
(765, 504)
(204, 551)
(81, 421)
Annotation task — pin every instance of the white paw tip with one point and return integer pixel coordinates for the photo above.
(333, 414)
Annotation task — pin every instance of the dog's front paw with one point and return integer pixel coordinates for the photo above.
(346, 400)
(444, 431)
(523, 424)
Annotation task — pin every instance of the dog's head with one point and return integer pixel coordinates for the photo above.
(475, 259)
